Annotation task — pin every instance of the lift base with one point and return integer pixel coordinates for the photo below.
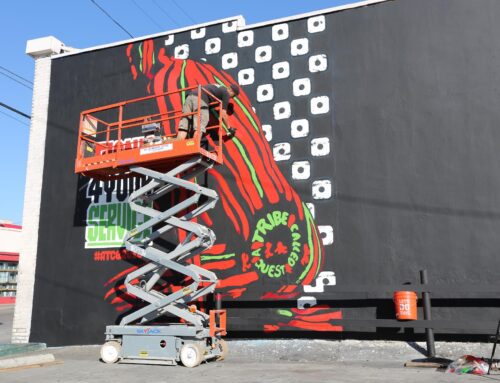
(165, 345)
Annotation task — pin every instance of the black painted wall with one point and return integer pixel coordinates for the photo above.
(413, 95)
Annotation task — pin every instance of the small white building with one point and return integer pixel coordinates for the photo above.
(10, 245)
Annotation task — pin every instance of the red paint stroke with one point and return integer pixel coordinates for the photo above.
(238, 280)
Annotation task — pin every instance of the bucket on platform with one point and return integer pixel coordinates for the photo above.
(406, 305)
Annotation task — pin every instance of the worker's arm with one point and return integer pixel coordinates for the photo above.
(225, 120)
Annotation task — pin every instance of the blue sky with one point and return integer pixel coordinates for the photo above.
(80, 24)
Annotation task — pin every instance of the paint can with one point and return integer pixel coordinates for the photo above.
(406, 305)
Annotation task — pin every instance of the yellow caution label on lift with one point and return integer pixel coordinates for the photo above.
(187, 290)
(190, 143)
(143, 354)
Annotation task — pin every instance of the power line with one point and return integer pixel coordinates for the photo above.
(114, 21)
(183, 11)
(12, 109)
(16, 80)
(18, 76)
(146, 14)
(12, 117)
(166, 14)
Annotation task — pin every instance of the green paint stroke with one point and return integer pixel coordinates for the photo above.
(243, 107)
(243, 153)
(310, 243)
(286, 313)
(247, 113)
(140, 55)
(215, 257)
(183, 80)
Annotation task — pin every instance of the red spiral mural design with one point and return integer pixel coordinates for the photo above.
(268, 244)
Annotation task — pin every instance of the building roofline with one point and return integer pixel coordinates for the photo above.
(239, 19)
(338, 8)
(241, 26)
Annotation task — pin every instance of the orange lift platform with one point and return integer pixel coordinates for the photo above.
(124, 140)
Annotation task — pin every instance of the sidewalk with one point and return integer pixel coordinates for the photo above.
(260, 361)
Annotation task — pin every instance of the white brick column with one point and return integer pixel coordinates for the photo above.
(41, 50)
(32, 199)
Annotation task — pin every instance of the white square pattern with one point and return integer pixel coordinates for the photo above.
(326, 232)
(299, 128)
(280, 32)
(268, 132)
(212, 46)
(304, 303)
(263, 54)
(282, 110)
(320, 105)
(301, 170)
(301, 87)
(246, 76)
(281, 70)
(198, 33)
(230, 26)
(169, 40)
(281, 151)
(230, 60)
(299, 47)
(265, 92)
(316, 24)
(322, 189)
(181, 51)
(245, 39)
(320, 146)
(318, 63)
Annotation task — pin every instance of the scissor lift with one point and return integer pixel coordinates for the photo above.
(114, 150)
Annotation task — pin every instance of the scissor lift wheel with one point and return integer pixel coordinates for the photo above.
(110, 352)
(191, 355)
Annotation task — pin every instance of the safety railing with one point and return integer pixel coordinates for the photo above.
(114, 137)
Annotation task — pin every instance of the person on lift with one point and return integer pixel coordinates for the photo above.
(188, 124)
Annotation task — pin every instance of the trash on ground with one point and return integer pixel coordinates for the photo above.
(468, 364)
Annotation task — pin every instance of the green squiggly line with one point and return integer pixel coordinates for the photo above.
(213, 257)
(286, 313)
(247, 113)
(244, 154)
(140, 55)
(243, 107)
(309, 223)
(250, 166)
(183, 81)
(320, 252)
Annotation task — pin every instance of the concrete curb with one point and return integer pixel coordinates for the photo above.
(24, 361)
(12, 349)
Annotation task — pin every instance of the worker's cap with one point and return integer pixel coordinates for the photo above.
(235, 88)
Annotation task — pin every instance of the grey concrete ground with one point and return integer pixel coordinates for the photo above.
(6, 316)
(263, 361)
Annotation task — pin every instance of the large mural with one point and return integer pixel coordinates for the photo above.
(274, 221)
(364, 152)
(271, 246)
